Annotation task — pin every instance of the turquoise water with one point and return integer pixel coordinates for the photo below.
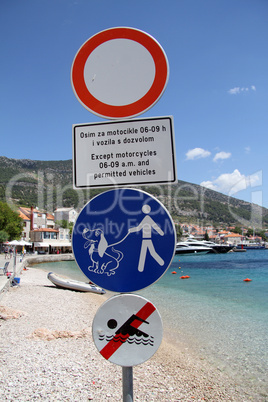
(214, 312)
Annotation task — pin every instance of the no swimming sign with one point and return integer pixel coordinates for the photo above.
(127, 330)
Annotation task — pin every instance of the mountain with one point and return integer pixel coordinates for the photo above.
(48, 185)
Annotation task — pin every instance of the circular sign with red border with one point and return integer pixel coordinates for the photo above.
(127, 330)
(120, 72)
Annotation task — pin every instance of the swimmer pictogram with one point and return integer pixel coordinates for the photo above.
(137, 336)
(128, 333)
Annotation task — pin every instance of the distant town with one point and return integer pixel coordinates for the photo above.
(50, 233)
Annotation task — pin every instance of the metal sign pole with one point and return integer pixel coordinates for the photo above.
(127, 381)
(14, 261)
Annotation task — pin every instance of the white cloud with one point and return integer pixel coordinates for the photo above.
(232, 183)
(197, 153)
(221, 155)
(234, 91)
(247, 150)
(209, 184)
(238, 90)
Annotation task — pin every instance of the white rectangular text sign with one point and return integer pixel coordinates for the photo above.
(125, 152)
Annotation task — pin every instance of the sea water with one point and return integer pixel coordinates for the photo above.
(214, 312)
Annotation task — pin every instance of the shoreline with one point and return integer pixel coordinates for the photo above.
(69, 367)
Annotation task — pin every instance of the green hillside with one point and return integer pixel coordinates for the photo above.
(48, 185)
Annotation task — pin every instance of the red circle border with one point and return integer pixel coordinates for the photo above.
(133, 109)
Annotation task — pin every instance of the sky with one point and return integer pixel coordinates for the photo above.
(217, 91)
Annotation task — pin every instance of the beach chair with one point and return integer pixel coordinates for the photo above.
(4, 268)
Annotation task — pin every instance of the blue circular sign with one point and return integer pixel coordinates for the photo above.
(124, 240)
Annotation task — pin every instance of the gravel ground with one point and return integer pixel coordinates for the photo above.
(47, 353)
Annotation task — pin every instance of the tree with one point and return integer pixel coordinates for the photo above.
(262, 234)
(3, 236)
(206, 236)
(250, 232)
(179, 231)
(238, 230)
(62, 223)
(71, 226)
(10, 221)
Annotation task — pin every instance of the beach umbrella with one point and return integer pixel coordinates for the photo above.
(14, 243)
(24, 243)
(19, 243)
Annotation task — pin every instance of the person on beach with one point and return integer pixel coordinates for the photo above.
(10, 252)
(6, 253)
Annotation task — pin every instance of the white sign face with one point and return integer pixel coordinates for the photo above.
(120, 72)
(127, 152)
(112, 84)
(127, 330)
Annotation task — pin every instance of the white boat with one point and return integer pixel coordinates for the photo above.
(215, 247)
(72, 284)
(184, 248)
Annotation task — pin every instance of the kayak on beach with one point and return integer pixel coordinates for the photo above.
(72, 284)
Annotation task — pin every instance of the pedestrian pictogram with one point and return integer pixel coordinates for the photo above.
(146, 226)
(127, 330)
(124, 240)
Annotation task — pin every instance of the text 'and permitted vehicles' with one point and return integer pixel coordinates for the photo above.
(128, 152)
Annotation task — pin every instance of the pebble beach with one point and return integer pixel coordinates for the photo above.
(47, 353)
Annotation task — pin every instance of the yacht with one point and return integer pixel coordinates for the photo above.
(184, 248)
(214, 247)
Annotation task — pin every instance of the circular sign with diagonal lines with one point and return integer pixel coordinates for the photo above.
(127, 330)
(119, 72)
